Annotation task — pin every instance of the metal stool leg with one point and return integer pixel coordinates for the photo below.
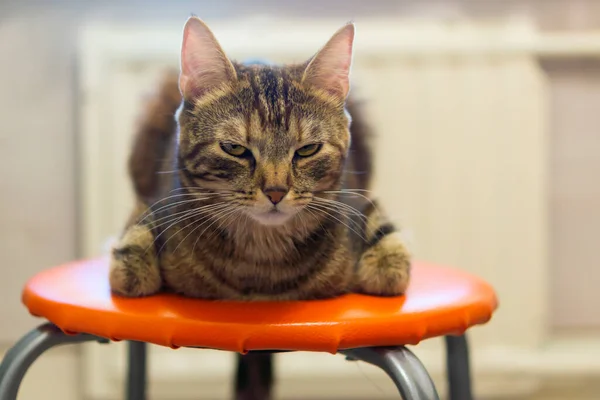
(20, 357)
(254, 376)
(136, 374)
(405, 369)
(459, 372)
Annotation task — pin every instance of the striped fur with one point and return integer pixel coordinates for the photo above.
(198, 227)
(192, 213)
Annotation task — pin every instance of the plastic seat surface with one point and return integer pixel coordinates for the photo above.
(76, 297)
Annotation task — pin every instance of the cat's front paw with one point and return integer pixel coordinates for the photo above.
(384, 269)
(134, 270)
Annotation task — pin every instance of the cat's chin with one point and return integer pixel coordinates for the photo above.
(271, 218)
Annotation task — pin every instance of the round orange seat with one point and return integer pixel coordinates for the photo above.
(440, 301)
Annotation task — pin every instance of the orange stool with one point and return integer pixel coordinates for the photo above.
(77, 301)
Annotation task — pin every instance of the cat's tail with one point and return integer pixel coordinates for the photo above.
(155, 132)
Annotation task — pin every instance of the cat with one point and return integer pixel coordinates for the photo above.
(252, 184)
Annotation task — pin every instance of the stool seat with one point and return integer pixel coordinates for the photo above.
(440, 301)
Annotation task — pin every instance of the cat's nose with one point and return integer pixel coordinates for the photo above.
(275, 194)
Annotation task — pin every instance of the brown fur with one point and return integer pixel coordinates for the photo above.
(185, 234)
(324, 250)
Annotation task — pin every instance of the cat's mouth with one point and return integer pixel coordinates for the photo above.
(274, 216)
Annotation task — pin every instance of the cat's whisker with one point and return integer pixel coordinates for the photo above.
(190, 212)
(171, 171)
(216, 217)
(328, 214)
(170, 216)
(204, 217)
(353, 192)
(331, 210)
(336, 209)
(223, 223)
(344, 206)
(172, 224)
(350, 190)
(314, 216)
(202, 221)
(151, 212)
(167, 207)
(194, 222)
(306, 224)
(207, 191)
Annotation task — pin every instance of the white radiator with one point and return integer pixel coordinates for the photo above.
(459, 111)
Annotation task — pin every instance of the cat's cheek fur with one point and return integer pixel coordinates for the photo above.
(384, 269)
(134, 270)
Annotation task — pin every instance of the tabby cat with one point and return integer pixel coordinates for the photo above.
(250, 186)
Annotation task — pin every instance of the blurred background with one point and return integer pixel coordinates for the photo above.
(488, 154)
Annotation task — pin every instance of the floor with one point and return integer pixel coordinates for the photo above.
(55, 376)
(580, 389)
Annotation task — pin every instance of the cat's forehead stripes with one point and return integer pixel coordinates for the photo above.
(269, 110)
(271, 89)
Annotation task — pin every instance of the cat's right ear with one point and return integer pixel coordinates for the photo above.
(204, 65)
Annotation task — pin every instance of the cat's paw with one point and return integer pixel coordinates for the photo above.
(134, 270)
(384, 269)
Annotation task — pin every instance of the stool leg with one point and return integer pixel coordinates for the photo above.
(405, 369)
(20, 357)
(254, 376)
(459, 372)
(136, 373)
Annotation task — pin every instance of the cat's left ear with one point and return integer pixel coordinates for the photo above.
(329, 69)
(204, 65)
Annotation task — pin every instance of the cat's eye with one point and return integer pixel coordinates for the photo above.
(234, 149)
(308, 150)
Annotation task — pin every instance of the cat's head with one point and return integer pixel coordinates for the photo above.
(269, 137)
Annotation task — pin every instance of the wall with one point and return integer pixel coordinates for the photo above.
(37, 164)
(575, 194)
